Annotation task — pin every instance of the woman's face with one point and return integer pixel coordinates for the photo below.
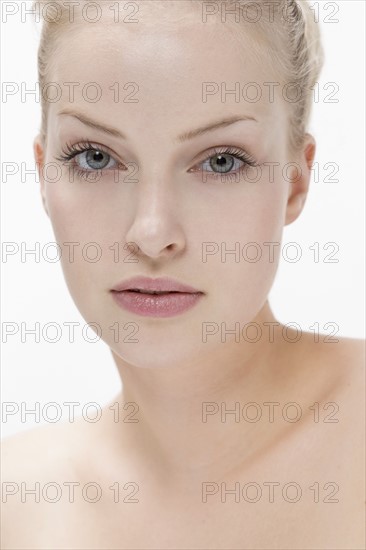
(160, 80)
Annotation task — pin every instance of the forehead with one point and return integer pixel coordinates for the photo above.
(170, 63)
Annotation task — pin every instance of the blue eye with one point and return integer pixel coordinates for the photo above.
(226, 162)
(223, 164)
(96, 160)
(91, 159)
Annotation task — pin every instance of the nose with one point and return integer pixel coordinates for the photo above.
(156, 228)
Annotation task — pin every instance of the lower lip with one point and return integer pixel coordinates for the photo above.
(156, 305)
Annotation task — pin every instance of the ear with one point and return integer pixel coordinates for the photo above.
(39, 155)
(300, 180)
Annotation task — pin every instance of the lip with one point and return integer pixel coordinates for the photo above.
(182, 298)
(162, 284)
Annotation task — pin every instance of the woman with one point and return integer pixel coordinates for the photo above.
(168, 186)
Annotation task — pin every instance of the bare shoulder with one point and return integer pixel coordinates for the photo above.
(328, 381)
(31, 461)
(338, 361)
(337, 371)
(28, 453)
(336, 381)
(330, 375)
(341, 347)
(348, 352)
(346, 358)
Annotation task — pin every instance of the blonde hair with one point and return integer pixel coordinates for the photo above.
(289, 31)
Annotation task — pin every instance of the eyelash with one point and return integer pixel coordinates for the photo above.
(72, 151)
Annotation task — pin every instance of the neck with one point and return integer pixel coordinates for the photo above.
(194, 420)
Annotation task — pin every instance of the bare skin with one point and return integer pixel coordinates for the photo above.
(171, 457)
(170, 512)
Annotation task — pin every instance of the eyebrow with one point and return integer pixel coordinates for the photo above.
(182, 138)
(213, 126)
(93, 124)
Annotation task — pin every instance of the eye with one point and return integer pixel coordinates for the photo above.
(89, 159)
(223, 163)
(226, 162)
(94, 159)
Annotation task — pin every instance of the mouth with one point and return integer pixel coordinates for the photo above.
(156, 297)
(162, 285)
(157, 292)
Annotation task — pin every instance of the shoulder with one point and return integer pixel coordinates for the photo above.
(347, 350)
(26, 453)
(30, 462)
(344, 433)
(327, 354)
(330, 372)
(35, 456)
(339, 368)
(343, 357)
(334, 380)
(329, 375)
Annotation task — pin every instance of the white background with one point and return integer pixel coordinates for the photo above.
(306, 292)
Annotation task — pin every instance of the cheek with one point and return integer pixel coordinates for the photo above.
(78, 207)
(87, 220)
(85, 230)
(253, 214)
(242, 250)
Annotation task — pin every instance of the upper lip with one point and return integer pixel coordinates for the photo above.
(162, 284)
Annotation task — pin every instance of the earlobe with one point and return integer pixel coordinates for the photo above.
(39, 158)
(299, 185)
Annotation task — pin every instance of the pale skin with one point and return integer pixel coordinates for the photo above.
(170, 452)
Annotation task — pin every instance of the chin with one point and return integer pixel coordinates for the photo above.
(167, 356)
